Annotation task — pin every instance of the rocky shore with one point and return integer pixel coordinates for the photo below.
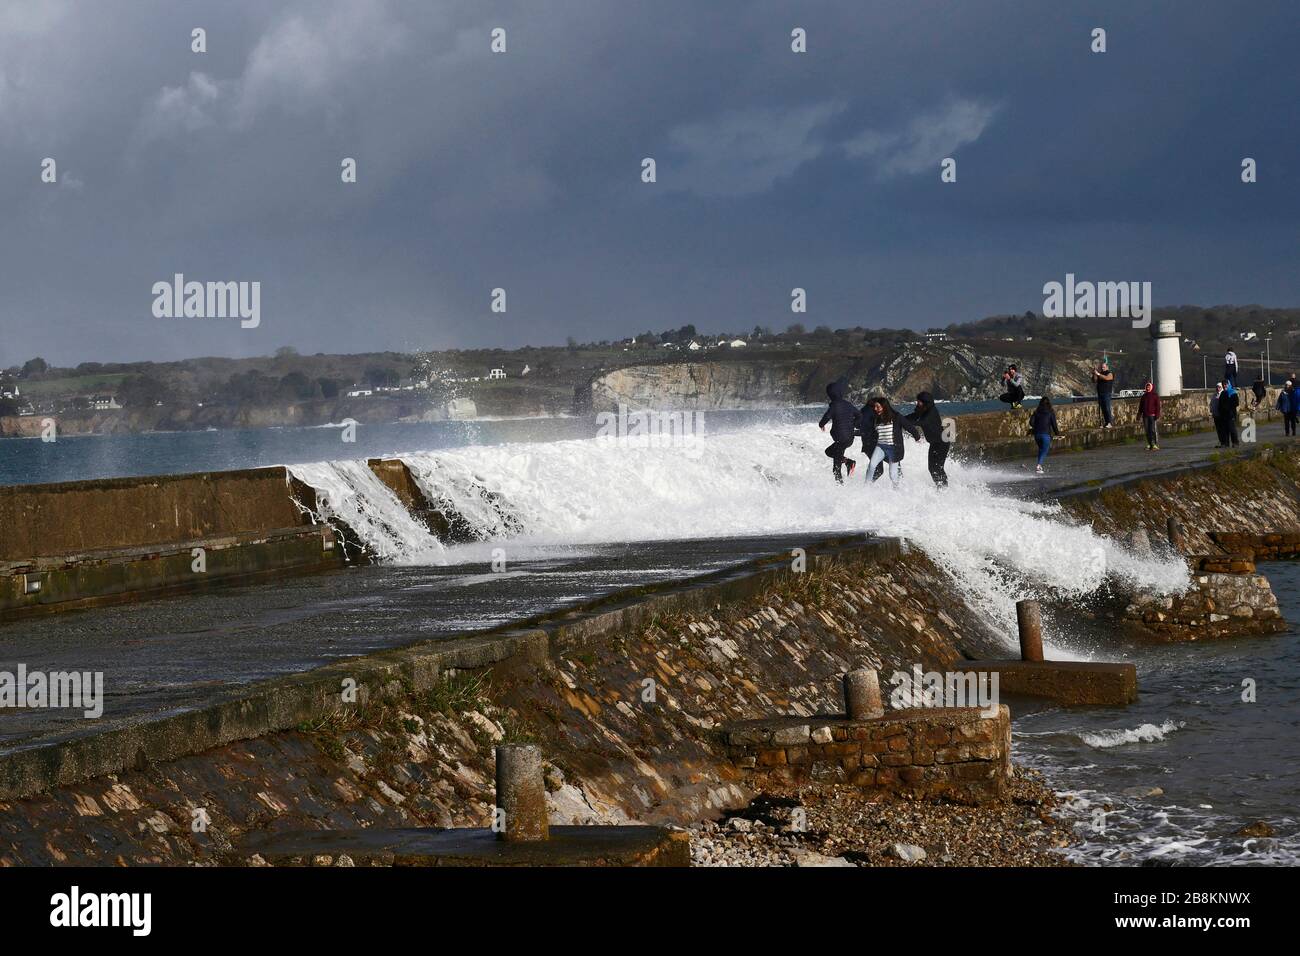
(823, 824)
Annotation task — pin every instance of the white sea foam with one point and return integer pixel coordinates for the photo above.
(1145, 734)
(757, 481)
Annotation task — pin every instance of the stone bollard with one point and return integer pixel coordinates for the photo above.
(1029, 621)
(1139, 542)
(1177, 539)
(862, 694)
(521, 793)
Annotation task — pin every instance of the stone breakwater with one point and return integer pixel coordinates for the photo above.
(409, 758)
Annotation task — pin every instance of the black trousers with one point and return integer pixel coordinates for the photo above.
(939, 455)
(835, 452)
(1289, 422)
(1221, 429)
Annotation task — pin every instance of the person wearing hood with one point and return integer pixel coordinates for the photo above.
(843, 419)
(926, 417)
(1229, 402)
(1149, 412)
(883, 438)
(1216, 413)
(1230, 368)
(1287, 404)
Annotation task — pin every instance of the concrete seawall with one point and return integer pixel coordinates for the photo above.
(82, 543)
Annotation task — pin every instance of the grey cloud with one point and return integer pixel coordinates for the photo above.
(925, 140)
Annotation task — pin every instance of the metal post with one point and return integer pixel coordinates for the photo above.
(1029, 621)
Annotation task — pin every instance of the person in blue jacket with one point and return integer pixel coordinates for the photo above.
(1288, 403)
(843, 419)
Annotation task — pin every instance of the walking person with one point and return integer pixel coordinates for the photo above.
(1149, 410)
(843, 419)
(1014, 383)
(1216, 413)
(1228, 404)
(884, 441)
(926, 417)
(1230, 368)
(1105, 381)
(1287, 400)
(1259, 391)
(1042, 424)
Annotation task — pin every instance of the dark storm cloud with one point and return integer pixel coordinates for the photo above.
(522, 170)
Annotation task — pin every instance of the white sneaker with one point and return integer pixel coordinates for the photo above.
(1038, 469)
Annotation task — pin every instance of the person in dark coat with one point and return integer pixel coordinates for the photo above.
(1286, 404)
(1259, 390)
(1229, 402)
(1216, 413)
(926, 417)
(1149, 412)
(843, 419)
(1042, 425)
(883, 440)
(1104, 379)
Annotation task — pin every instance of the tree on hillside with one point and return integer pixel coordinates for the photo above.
(34, 367)
(139, 390)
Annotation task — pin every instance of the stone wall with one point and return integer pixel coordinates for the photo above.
(959, 754)
(997, 435)
(1227, 599)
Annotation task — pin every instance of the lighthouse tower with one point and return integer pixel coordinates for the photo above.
(1169, 360)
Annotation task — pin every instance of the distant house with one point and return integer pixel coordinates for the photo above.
(936, 336)
(1248, 336)
(9, 390)
(737, 343)
(103, 402)
(360, 392)
(694, 346)
(497, 373)
(526, 370)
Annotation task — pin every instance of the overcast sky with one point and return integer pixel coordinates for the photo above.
(522, 170)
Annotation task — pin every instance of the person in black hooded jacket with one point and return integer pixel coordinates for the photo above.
(926, 417)
(843, 419)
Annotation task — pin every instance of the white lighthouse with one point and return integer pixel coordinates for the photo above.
(1168, 358)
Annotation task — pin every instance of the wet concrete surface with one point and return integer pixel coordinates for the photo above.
(1073, 471)
(162, 656)
(567, 846)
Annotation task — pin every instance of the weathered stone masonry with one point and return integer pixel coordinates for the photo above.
(961, 754)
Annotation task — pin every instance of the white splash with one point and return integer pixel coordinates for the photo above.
(1145, 734)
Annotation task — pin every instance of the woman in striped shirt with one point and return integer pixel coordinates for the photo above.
(882, 437)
